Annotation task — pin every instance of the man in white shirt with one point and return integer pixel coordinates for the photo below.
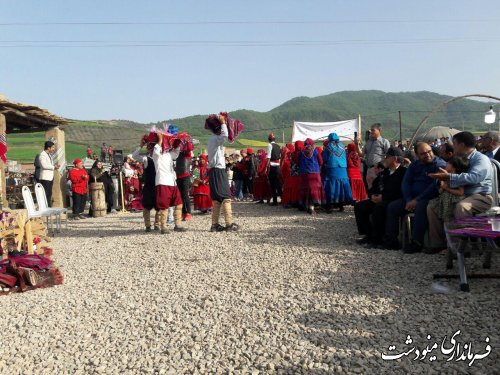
(47, 168)
(273, 154)
(218, 181)
(166, 192)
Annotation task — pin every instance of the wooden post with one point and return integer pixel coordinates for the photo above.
(56, 135)
(3, 181)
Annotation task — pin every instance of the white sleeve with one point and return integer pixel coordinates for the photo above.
(145, 162)
(156, 152)
(223, 135)
(269, 150)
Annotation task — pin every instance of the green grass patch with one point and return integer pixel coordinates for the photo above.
(251, 142)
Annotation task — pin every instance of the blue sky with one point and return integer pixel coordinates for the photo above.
(76, 70)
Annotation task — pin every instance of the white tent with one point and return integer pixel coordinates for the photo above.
(319, 131)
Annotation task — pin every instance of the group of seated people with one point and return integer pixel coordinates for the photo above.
(435, 189)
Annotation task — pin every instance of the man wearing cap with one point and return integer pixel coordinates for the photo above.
(373, 151)
(273, 154)
(418, 188)
(79, 179)
(386, 189)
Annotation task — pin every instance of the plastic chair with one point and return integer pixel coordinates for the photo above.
(57, 212)
(32, 211)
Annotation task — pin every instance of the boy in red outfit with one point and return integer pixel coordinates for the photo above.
(79, 178)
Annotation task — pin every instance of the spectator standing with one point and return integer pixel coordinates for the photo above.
(79, 179)
(89, 152)
(273, 154)
(104, 152)
(47, 167)
(110, 154)
(373, 151)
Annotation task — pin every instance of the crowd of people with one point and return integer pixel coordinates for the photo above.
(436, 182)
(448, 181)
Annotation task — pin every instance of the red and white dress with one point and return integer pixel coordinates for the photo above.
(354, 173)
(201, 192)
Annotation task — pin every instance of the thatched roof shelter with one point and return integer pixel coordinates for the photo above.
(24, 118)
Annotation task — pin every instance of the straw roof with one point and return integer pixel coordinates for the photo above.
(24, 118)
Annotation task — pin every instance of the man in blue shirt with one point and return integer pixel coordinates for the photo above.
(418, 188)
(476, 183)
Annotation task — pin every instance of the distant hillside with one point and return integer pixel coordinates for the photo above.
(373, 106)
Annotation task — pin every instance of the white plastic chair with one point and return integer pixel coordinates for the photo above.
(57, 212)
(30, 206)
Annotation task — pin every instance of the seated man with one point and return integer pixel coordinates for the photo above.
(476, 183)
(386, 188)
(418, 188)
(490, 145)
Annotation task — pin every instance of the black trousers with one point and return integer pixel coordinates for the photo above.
(365, 170)
(274, 181)
(247, 185)
(184, 184)
(47, 185)
(370, 219)
(79, 201)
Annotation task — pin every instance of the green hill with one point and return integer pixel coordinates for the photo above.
(373, 106)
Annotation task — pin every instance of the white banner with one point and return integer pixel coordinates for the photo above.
(319, 131)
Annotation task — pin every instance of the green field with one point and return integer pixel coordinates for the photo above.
(24, 147)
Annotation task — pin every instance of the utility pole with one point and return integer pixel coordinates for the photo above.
(400, 128)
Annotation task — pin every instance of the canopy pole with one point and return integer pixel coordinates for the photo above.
(359, 126)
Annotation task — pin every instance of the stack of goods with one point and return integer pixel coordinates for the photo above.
(26, 263)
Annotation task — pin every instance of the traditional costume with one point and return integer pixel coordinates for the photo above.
(273, 168)
(148, 191)
(261, 185)
(311, 189)
(290, 172)
(166, 192)
(336, 181)
(219, 185)
(354, 173)
(201, 191)
(182, 169)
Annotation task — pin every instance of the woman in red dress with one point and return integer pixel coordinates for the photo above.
(201, 191)
(291, 183)
(261, 186)
(354, 173)
(311, 187)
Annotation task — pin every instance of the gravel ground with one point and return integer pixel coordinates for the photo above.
(288, 294)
